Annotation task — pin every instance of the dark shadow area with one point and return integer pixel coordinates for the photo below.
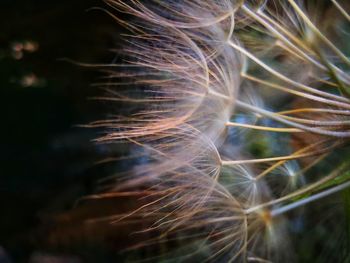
(47, 161)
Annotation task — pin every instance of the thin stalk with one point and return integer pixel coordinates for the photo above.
(289, 50)
(332, 73)
(272, 159)
(262, 19)
(299, 42)
(327, 82)
(317, 110)
(300, 45)
(283, 77)
(303, 150)
(262, 128)
(316, 122)
(217, 94)
(311, 164)
(297, 93)
(318, 32)
(300, 192)
(341, 9)
(272, 115)
(312, 198)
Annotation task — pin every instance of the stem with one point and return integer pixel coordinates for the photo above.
(315, 197)
(263, 160)
(303, 150)
(296, 155)
(262, 128)
(300, 192)
(283, 77)
(292, 48)
(272, 115)
(341, 9)
(317, 110)
(318, 32)
(317, 123)
(324, 81)
(299, 46)
(297, 93)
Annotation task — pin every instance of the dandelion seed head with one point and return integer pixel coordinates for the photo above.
(172, 67)
(188, 65)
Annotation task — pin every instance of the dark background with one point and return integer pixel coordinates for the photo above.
(47, 160)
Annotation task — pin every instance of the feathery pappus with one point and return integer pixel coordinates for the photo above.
(195, 74)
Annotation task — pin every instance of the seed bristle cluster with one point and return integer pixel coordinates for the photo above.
(203, 82)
